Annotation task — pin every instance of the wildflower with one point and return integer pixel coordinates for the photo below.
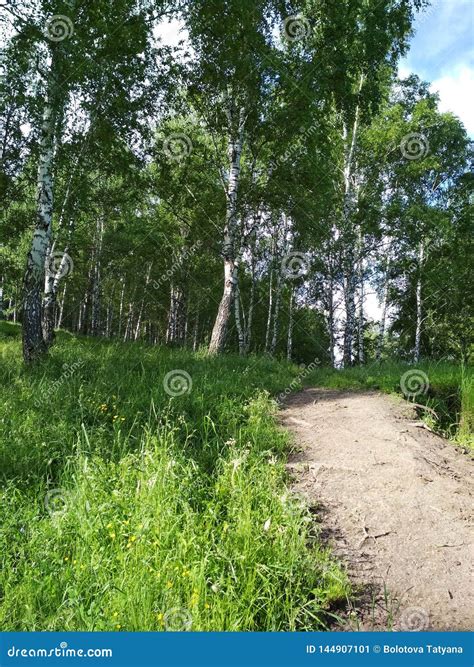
(207, 606)
(133, 538)
(235, 464)
(266, 525)
(115, 614)
(118, 626)
(66, 557)
(169, 584)
(112, 536)
(109, 525)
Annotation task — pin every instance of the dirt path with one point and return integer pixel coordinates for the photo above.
(394, 501)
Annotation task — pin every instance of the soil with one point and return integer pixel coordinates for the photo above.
(394, 501)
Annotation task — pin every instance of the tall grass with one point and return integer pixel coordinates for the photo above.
(125, 508)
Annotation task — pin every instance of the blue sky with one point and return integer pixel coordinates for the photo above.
(442, 52)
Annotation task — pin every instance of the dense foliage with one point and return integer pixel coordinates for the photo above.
(274, 139)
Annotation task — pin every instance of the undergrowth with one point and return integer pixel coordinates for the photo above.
(125, 508)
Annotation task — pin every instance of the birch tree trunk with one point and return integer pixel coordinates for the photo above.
(237, 315)
(330, 307)
(122, 296)
(270, 298)
(34, 345)
(349, 205)
(248, 336)
(234, 150)
(128, 327)
(96, 289)
(53, 277)
(276, 315)
(2, 317)
(419, 304)
(196, 331)
(360, 319)
(61, 308)
(289, 345)
(175, 332)
(383, 319)
(142, 305)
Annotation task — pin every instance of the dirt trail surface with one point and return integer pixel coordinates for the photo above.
(393, 500)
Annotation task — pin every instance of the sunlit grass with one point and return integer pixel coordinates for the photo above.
(125, 508)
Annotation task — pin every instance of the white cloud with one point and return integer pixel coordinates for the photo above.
(456, 91)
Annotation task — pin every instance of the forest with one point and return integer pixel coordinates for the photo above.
(191, 230)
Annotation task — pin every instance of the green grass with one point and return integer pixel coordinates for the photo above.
(125, 508)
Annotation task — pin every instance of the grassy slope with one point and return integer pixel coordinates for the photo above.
(124, 508)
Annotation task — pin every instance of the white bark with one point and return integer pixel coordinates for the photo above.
(349, 205)
(142, 306)
(383, 318)
(235, 145)
(237, 315)
(360, 319)
(122, 296)
(1, 298)
(361, 351)
(289, 345)
(33, 343)
(419, 304)
(61, 308)
(276, 311)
